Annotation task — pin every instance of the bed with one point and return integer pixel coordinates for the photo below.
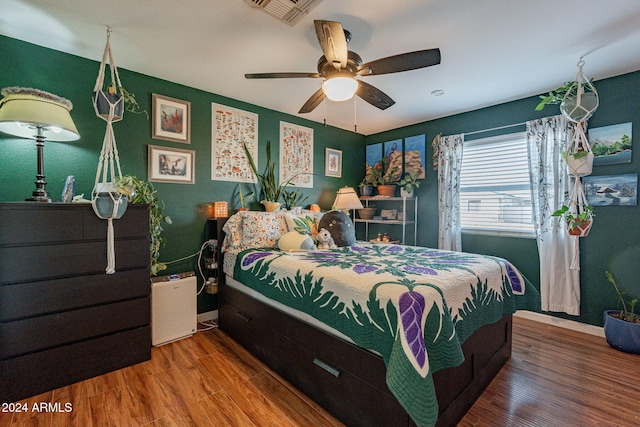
(376, 334)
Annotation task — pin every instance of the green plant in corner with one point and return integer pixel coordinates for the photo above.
(140, 191)
(626, 314)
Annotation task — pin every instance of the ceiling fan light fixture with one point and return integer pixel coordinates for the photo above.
(340, 88)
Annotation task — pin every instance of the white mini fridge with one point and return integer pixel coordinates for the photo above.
(173, 307)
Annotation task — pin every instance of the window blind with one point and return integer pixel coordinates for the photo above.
(495, 195)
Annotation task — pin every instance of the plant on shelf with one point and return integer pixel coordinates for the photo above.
(578, 224)
(270, 190)
(409, 182)
(368, 182)
(140, 191)
(622, 326)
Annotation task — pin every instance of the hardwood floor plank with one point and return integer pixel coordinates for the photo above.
(223, 411)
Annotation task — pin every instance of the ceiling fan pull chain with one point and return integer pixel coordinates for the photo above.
(355, 114)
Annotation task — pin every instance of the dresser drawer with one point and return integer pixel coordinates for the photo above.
(42, 332)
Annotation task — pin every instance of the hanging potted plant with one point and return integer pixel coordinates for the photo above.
(137, 190)
(578, 224)
(408, 183)
(120, 98)
(622, 326)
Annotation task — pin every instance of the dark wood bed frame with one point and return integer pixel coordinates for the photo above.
(346, 380)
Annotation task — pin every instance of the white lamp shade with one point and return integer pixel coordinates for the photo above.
(347, 198)
(21, 113)
(340, 88)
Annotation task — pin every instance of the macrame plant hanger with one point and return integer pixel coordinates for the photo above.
(577, 106)
(108, 203)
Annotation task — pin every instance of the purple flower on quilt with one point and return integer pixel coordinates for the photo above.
(362, 268)
(412, 305)
(420, 270)
(357, 248)
(253, 257)
(514, 278)
(434, 253)
(395, 248)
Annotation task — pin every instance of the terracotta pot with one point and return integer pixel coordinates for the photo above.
(366, 213)
(579, 227)
(387, 190)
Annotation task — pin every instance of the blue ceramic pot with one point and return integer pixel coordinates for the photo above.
(104, 205)
(366, 190)
(621, 335)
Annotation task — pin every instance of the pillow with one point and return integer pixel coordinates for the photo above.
(252, 229)
(262, 229)
(304, 223)
(294, 241)
(340, 226)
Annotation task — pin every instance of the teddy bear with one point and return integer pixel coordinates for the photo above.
(325, 241)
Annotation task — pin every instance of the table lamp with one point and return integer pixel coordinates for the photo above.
(33, 113)
(347, 199)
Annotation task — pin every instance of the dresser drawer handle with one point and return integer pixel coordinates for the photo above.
(243, 316)
(330, 369)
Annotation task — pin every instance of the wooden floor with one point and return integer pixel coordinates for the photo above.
(554, 378)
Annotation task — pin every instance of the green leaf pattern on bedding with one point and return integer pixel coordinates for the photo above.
(399, 301)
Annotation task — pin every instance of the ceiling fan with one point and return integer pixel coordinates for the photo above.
(340, 67)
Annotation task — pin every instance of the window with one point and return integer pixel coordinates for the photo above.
(495, 195)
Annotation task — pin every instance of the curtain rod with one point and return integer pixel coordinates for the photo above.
(496, 128)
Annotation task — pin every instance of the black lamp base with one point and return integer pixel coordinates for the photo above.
(40, 194)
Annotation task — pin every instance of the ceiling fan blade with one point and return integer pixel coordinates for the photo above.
(280, 75)
(374, 96)
(313, 102)
(333, 42)
(402, 62)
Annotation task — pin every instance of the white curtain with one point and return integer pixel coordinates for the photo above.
(550, 185)
(449, 162)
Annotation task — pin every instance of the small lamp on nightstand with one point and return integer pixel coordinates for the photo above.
(33, 113)
(347, 199)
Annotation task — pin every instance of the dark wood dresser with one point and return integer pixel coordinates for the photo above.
(62, 318)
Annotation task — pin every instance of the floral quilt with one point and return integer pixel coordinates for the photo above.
(414, 306)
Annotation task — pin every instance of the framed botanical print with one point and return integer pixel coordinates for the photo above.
(333, 162)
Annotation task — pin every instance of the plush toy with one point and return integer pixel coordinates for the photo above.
(294, 241)
(340, 226)
(324, 239)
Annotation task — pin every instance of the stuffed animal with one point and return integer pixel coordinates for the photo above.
(324, 239)
(340, 226)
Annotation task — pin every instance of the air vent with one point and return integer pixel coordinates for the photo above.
(289, 11)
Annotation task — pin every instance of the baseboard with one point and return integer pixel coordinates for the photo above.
(562, 323)
(208, 315)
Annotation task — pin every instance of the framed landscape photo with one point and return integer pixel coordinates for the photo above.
(171, 119)
(171, 165)
(333, 162)
(611, 190)
(611, 144)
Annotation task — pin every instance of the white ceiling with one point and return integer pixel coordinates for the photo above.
(493, 51)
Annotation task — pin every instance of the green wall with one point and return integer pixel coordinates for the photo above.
(72, 77)
(614, 241)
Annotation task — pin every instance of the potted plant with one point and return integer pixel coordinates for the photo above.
(120, 98)
(270, 189)
(622, 326)
(244, 198)
(567, 97)
(293, 198)
(385, 178)
(408, 183)
(578, 224)
(140, 191)
(367, 184)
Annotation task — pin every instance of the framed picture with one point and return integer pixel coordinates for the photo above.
(171, 119)
(171, 165)
(232, 130)
(611, 144)
(296, 155)
(333, 162)
(611, 190)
